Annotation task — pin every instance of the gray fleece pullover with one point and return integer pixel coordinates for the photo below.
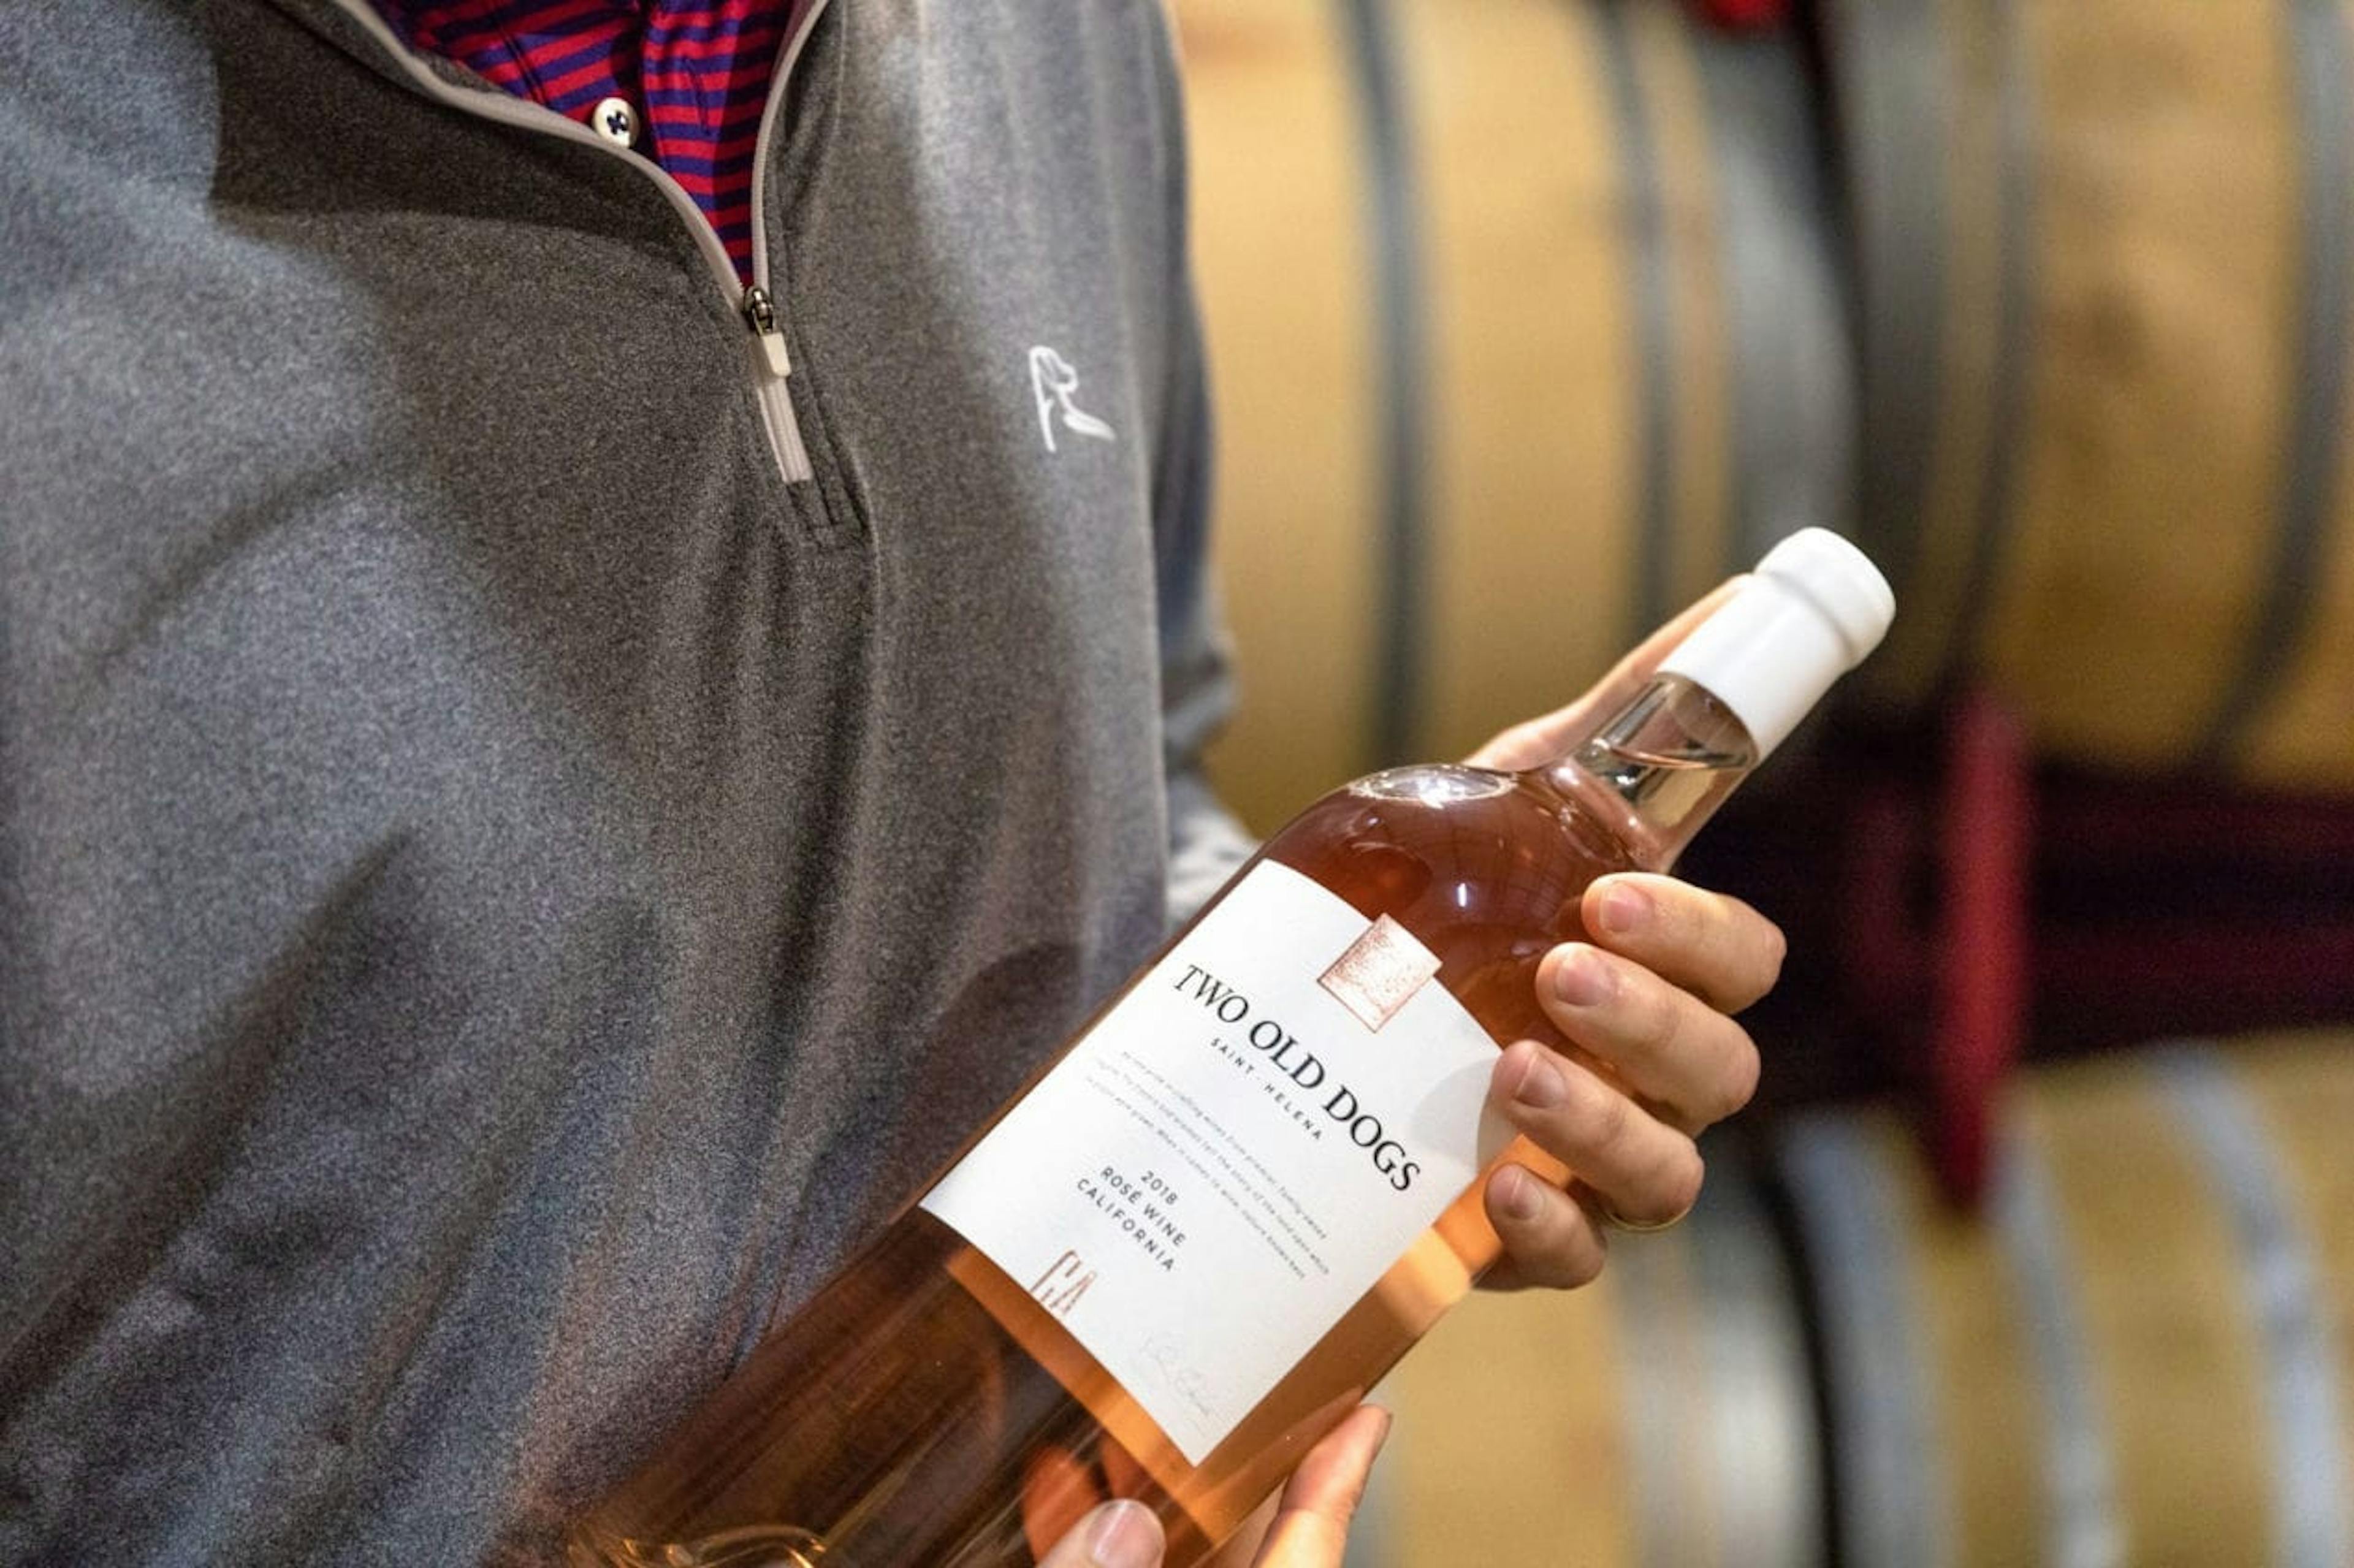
(500, 888)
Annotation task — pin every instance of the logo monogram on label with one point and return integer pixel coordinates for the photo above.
(1059, 1288)
(1053, 381)
(1379, 972)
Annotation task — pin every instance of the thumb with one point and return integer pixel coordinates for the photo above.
(1311, 1522)
(1119, 1534)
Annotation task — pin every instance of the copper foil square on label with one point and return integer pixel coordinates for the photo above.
(1380, 972)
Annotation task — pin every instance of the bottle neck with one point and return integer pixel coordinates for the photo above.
(1661, 767)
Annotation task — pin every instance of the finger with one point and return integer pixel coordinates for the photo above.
(1311, 1522)
(1689, 1063)
(1116, 1535)
(1549, 1238)
(1541, 739)
(1645, 1169)
(1711, 944)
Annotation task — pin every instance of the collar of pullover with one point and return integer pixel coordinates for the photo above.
(683, 85)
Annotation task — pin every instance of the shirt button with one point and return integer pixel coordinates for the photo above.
(615, 121)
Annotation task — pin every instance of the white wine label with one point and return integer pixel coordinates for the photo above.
(1235, 1152)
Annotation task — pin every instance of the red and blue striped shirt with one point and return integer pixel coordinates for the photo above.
(697, 76)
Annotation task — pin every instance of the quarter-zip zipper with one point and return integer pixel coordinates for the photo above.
(756, 305)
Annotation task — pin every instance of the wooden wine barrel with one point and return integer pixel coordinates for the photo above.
(2141, 1355)
(1662, 1417)
(2105, 258)
(1523, 333)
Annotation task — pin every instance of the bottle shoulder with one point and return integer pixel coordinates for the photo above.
(1440, 845)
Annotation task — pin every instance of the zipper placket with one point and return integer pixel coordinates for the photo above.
(756, 305)
(759, 304)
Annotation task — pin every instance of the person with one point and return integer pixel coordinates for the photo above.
(566, 730)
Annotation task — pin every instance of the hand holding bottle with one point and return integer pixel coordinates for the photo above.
(1649, 1002)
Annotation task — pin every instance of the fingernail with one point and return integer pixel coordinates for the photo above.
(1540, 1087)
(1124, 1535)
(1582, 979)
(1626, 910)
(1517, 1195)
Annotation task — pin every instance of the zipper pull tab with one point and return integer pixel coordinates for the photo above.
(761, 315)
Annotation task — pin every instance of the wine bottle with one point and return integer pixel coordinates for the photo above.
(1186, 1250)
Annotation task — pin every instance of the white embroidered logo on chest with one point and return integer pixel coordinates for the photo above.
(1053, 382)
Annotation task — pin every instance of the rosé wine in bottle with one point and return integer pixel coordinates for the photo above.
(1247, 1187)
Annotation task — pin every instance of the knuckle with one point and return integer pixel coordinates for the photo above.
(1666, 1192)
(1730, 1084)
(1567, 1259)
(1774, 951)
(1656, 1018)
(1582, 1261)
(1603, 1118)
(1738, 1085)
(1679, 1187)
(1758, 949)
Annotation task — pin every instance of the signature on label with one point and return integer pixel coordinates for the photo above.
(1167, 1357)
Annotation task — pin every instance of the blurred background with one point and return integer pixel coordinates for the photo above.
(1533, 319)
